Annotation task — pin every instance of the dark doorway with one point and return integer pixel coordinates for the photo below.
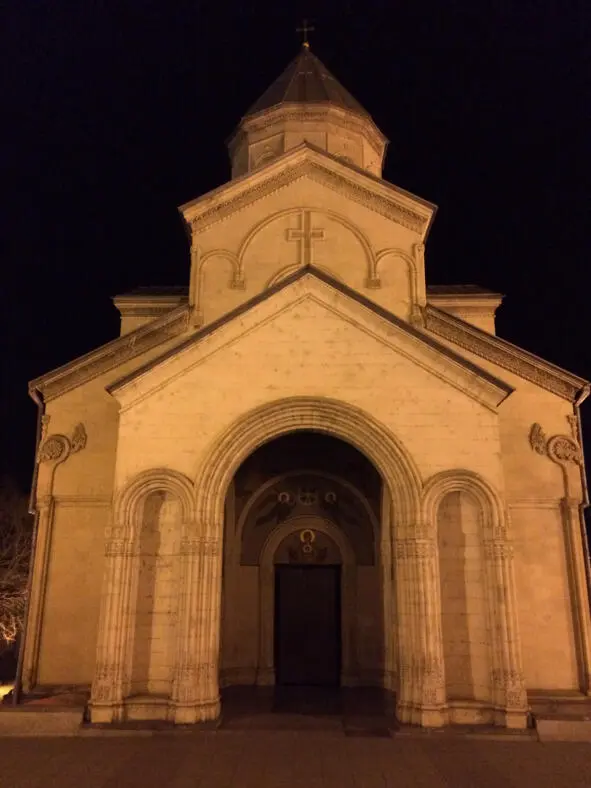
(308, 625)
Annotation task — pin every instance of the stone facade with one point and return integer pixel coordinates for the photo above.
(463, 563)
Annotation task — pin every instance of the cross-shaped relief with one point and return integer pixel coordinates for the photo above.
(305, 235)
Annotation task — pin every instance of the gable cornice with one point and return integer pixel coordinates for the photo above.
(492, 384)
(373, 193)
(505, 354)
(83, 369)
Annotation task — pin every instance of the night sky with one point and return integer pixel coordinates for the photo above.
(116, 113)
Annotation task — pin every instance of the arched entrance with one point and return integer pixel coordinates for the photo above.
(401, 549)
(304, 581)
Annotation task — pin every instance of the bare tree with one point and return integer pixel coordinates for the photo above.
(16, 532)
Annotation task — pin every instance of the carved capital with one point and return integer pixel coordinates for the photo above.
(117, 548)
(201, 546)
(238, 281)
(415, 549)
(115, 532)
(419, 250)
(498, 550)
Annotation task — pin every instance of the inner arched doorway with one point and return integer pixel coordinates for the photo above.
(303, 579)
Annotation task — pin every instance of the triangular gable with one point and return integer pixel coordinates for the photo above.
(308, 161)
(480, 383)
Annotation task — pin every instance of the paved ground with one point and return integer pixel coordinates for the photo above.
(289, 759)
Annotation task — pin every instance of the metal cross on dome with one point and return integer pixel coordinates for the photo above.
(304, 30)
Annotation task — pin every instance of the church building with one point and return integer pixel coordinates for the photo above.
(308, 467)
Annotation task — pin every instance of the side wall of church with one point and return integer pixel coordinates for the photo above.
(543, 563)
(76, 499)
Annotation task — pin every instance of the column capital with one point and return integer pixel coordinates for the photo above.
(201, 545)
(417, 531)
(499, 550)
(118, 548)
(415, 549)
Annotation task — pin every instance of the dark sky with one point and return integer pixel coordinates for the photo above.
(116, 113)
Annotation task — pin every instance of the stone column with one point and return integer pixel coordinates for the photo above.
(196, 689)
(509, 694)
(422, 677)
(111, 678)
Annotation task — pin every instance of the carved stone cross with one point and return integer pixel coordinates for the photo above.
(305, 235)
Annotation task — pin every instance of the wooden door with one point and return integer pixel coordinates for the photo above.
(307, 625)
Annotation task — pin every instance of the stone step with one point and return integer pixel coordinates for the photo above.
(40, 720)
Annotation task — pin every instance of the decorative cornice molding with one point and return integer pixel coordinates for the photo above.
(503, 353)
(386, 206)
(334, 120)
(109, 356)
(476, 381)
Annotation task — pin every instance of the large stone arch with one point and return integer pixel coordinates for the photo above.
(401, 480)
(399, 473)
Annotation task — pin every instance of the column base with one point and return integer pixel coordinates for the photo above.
(514, 720)
(189, 714)
(103, 714)
(265, 677)
(424, 716)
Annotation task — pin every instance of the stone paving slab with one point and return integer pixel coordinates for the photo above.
(290, 759)
(564, 730)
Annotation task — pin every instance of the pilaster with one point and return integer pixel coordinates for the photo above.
(196, 689)
(422, 677)
(508, 684)
(111, 679)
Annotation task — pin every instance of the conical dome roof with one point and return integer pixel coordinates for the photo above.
(306, 80)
